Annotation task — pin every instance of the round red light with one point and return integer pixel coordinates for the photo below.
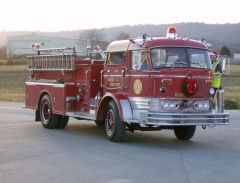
(95, 48)
(172, 30)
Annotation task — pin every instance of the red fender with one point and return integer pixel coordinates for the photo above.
(123, 104)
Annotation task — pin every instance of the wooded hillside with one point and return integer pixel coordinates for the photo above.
(218, 35)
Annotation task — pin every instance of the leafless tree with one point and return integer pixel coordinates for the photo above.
(90, 37)
(122, 35)
(10, 49)
(3, 52)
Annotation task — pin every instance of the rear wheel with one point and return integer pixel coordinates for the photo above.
(115, 129)
(48, 119)
(62, 122)
(184, 132)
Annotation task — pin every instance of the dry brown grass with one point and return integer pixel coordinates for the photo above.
(6, 68)
(16, 97)
(12, 82)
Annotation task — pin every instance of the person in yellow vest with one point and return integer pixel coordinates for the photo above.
(217, 72)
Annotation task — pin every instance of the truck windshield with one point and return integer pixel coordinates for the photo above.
(180, 57)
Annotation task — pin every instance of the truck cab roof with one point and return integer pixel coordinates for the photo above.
(136, 44)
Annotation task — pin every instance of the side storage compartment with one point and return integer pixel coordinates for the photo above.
(63, 98)
(88, 77)
(30, 96)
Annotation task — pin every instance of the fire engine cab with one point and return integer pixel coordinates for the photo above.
(145, 83)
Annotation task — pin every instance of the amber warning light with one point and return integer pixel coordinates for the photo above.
(172, 32)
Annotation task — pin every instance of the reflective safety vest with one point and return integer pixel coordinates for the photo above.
(216, 77)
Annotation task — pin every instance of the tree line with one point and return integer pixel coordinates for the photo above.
(223, 37)
(97, 36)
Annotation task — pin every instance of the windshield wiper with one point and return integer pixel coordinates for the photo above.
(198, 64)
(177, 63)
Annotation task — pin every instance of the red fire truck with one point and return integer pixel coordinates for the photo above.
(142, 84)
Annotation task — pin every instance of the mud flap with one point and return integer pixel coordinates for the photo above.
(37, 115)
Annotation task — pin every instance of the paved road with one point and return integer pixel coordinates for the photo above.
(82, 153)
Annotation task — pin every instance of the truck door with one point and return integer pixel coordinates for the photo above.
(114, 70)
(139, 74)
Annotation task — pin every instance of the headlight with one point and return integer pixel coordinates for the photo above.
(200, 105)
(170, 105)
(165, 105)
(211, 91)
(205, 105)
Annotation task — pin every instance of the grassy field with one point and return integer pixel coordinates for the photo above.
(13, 77)
(12, 82)
(231, 84)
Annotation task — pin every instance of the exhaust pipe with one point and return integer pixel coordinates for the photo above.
(220, 101)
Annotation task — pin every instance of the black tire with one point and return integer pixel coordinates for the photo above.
(62, 122)
(100, 123)
(48, 119)
(184, 132)
(115, 129)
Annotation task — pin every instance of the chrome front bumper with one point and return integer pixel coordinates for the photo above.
(183, 119)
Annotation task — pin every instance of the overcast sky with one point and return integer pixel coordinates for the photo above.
(61, 15)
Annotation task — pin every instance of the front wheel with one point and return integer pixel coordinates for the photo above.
(184, 132)
(48, 119)
(99, 123)
(115, 129)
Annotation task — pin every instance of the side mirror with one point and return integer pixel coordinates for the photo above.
(224, 61)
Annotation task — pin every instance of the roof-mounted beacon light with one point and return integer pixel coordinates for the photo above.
(32, 45)
(172, 32)
(89, 48)
(209, 45)
(145, 37)
(99, 49)
(35, 45)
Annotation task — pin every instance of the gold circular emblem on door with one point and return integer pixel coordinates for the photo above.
(137, 86)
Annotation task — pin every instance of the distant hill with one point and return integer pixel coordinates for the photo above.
(217, 34)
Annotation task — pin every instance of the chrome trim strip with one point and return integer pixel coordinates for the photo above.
(82, 115)
(185, 124)
(30, 83)
(157, 76)
(49, 84)
(184, 119)
(126, 109)
(86, 78)
(141, 103)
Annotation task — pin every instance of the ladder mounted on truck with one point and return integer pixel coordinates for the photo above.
(62, 61)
